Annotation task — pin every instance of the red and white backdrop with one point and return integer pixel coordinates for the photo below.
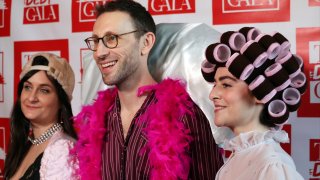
(30, 26)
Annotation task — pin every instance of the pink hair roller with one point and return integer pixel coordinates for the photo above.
(292, 97)
(208, 70)
(278, 76)
(299, 82)
(262, 89)
(239, 66)
(289, 62)
(254, 52)
(250, 33)
(284, 43)
(234, 40)
(270, 44)
(218, 53)
(278, 111)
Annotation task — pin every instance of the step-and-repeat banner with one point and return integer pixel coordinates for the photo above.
(60, 26)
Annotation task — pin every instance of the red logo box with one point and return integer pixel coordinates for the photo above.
(316, 171)
(40, 11)
(2, 82)
(24, 49)
(5, 14)
(315, 156)
(83, 14)
(314, 149)
(160, 7)
(4, 142)
(253, 11)
(308, 47)
(314, 3)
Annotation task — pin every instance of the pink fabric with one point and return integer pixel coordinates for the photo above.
(168, 156)
(91, 127)
(56, 162)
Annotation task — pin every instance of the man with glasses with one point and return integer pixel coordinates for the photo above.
(141, 129)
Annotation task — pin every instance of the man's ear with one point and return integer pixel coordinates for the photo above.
(148, 41)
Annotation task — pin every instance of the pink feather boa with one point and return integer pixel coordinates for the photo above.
(168, 139)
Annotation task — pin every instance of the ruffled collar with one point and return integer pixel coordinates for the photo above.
(248, 139)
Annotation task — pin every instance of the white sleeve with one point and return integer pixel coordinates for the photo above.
(279, 171)
(56, 162)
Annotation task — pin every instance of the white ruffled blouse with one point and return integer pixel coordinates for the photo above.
(258, 156)
(56, 162)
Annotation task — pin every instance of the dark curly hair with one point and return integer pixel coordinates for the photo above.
(142, 19)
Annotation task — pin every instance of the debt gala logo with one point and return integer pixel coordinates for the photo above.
(5, 13)
(23, 50)
(40, 11)
(161, 7)
(4, 142)
(250, 11)
(308, 47)
(83, 14)
(1, 78)
(315, 157)
(314, 2)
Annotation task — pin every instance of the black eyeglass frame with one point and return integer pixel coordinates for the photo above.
(105, 44)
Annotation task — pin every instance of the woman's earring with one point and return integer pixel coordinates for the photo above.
(61, 115)
(30, 133)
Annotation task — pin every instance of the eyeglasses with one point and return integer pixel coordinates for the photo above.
(109, 40)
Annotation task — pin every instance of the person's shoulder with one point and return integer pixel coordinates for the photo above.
(175, 89)
(276, 168)
(270, 154)
(58, 148)
(57, 162)
(61, 140)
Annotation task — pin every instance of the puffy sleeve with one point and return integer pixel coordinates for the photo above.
(56, 162)
(279, 171)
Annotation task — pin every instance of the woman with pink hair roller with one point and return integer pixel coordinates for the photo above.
(257, 82)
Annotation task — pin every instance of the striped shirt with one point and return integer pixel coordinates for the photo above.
(127, 159)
